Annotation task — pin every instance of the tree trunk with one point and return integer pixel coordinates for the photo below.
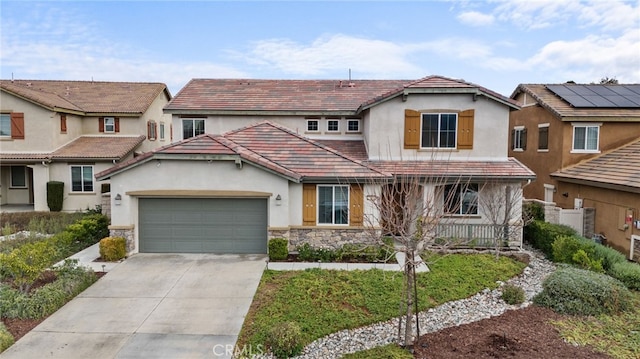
(409, 274)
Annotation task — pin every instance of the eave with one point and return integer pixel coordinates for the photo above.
(605, 185)
(262, 113)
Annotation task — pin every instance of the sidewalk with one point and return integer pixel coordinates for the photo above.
(282, 266)
(87, 257)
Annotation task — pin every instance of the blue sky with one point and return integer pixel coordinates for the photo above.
(497, 44)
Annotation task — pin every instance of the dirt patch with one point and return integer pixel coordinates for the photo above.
(517, 334)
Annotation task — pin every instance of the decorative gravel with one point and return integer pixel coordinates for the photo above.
(483, 305)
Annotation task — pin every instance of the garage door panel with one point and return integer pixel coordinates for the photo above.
(194, 225)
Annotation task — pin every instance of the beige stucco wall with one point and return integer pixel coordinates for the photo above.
(74, 201)
(41, 126)
(384, 128)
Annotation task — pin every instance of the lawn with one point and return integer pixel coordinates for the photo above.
(325, 301)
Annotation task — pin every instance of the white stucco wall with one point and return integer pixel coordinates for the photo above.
(384, 127)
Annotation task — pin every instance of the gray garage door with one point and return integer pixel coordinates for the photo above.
(203, 225)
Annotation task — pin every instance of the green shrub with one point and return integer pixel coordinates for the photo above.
(512, 294)
(49, 298)
(609, 256)
(285, 340)
(278, 249)
(571, 290)
(584, 261)
(55, 195)
(541, 235)
(24, 265)
(628, 273)
(564, 247)
(306, 253)
(113, 248)
(533, 210)
(6, 339)
(90, 229)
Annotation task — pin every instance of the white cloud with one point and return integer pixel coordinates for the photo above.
(372, 58)
(474, 18)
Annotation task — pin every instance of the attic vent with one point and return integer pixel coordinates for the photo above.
(352, 84)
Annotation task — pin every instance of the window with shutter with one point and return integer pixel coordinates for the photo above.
(63, 123)
(151, 130)
(411, 129)
(101, 124)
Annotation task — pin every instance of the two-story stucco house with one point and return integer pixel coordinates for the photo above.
(69, 130)
(582, 143)
(305, 159)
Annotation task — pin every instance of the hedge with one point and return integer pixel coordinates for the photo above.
(55, 195)
(541, 235)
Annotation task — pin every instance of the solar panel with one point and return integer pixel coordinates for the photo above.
(599, 96)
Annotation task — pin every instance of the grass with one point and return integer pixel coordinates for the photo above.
(390, 351)
(324, 301)
(617, 335)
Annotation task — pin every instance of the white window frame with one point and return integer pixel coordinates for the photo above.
(14, 169)
(193, 122)
(331, 120)
(82, 179)
(349, 121)
(161, 131)
(317, 125)
(517, 138)
(438, 146)
(461, 188)
(110, 124)
(5, 121)
(586, 126)
(333, 204)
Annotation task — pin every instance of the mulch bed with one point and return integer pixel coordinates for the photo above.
(517, 334)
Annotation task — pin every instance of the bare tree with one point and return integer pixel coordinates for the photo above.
(411, 207)
(501, 204)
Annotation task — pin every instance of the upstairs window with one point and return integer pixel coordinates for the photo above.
(5, 125)
(333, 125)
(439, 130)
(152, 130)
(353, 126)
(586, 138)
(543, 137)
(82, 178)
(192, 127)
(519, 139)
(109, 124)
(63, 123)
(12, 125)
(461, 199)
(312, 126)
(161, 131)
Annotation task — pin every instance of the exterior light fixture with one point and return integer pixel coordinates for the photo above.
(278, 200)
(118, 199)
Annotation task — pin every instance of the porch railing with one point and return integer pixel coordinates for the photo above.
(471, 235)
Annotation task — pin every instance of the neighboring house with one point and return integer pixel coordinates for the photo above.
(69, 130)
(304, 159)
(581, 141)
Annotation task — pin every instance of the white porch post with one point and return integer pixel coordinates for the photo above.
(40, 179)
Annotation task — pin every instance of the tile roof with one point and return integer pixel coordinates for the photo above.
(619, 169)
(98, 147)
(565, 111)
(270, 146)
(220, 95)
(23, 156)
(510, 168)
(88, 97)
(355, 149)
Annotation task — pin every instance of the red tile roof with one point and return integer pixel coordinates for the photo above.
(510, 168)
(566, 112)
(355, 149)
(202, 96)
(618, 169)
(88, 97)
(23, 157)
(98, 147)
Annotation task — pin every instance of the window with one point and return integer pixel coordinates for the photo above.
(461, 199)
(543, 137)
(333, 125)
(152, 130)
(585, 138)
(192, 127)
(161, 131)
(439, 130)
(519, 138)
(18, 177)
(353, 126)
(312, 126)
(5, 125)
(333, 204)
(109, 124)
(82, 178)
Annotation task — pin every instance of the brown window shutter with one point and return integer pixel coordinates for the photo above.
(465, 129)
(149, 124)
(308, 204)
(117, 124)
(524, 139)
(356, 199)
(17, 125)
(411, 129)
(101, 124)
(63, 123)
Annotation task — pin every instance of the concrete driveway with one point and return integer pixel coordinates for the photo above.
(152, 306)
